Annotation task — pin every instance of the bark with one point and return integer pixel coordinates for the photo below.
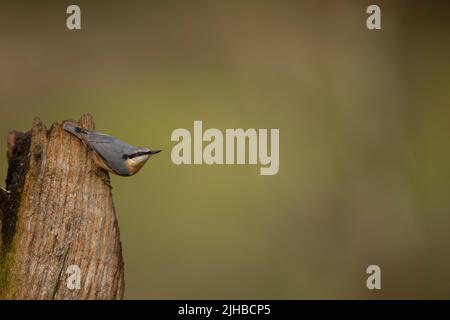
(57, 212)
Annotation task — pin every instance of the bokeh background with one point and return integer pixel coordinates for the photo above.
(364, 138)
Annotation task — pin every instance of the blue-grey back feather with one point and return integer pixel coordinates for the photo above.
(111, 149)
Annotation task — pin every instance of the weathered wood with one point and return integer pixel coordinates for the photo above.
(58, 212)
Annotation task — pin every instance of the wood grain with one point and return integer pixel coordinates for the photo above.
(59, 213)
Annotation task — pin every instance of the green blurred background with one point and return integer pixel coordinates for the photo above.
(364, 138)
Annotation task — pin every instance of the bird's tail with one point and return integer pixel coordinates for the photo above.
(75, 129)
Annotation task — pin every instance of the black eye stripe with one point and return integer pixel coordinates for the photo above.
(134, 155)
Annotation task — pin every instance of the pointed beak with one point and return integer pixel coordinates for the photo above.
(155, 151)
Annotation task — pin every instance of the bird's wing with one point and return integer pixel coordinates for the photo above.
(109, 148)
(95, 137)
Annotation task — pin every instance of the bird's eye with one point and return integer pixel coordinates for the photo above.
(134, 155)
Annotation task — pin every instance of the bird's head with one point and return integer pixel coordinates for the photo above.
(138, 158)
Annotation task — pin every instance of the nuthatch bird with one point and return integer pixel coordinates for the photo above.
(112, 154)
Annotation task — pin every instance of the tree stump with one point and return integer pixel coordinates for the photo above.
(57, 219)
